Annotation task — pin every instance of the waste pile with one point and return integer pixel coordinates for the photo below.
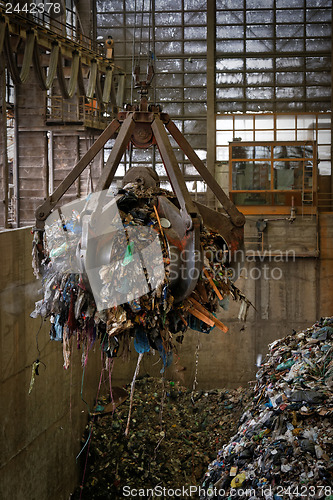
(283, 447)
(152, 319)
(173, 437)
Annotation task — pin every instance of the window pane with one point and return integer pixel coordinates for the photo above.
(259, 31)
(229, 32)
(306, 121)
(288, 175)
(243, 122)
(283, 122)
(229, 93)
(229, 78)
(259, 78)
(265, 135)
(222, 138)
(222, 153)
(259, 16)
(284, 16)
(289, 63)
(264, 122)
(324, 152)
(245, 135)
(224, 123)
(234, 64)
(324, 137)
(262, 151)
(285, 135)
(242, 152)
(325, 168)
(259, 64)
(247, 199)
(251, 175)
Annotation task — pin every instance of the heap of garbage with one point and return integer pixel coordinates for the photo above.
(284, 444)
(121, 314)
(172, 440)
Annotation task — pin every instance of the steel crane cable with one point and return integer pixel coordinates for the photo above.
(132, 80)
(133, 51)
(141, 27)
(150, 26)
(152, 43)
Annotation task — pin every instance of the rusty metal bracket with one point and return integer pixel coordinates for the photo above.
(143, 85)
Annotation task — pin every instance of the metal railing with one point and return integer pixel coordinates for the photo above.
(78, 110)
(57, 22)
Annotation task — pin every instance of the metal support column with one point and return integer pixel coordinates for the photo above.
(3, 152)
(211, 121)
(16, 161)
(332, 120)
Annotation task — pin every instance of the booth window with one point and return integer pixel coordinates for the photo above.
(274, 173)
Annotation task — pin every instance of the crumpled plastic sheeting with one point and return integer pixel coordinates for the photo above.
(285, 438)
(72, 308)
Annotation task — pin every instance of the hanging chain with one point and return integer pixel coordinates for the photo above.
(195, 381)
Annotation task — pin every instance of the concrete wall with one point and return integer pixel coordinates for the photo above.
(40, 433)
(301, 295)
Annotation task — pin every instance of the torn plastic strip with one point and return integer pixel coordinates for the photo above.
(92, 79)
(10, 58)
(22, 76)
(27, 58)
(120, 91)
(107, 85)
(68, 92)
(132, 392)
(34, 372)
(74, 74)
(45, 82)
(80, 81)
(98, 91)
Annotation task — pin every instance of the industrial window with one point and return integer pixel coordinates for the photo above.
(176, 31)
(71, 19)
(276, 127)
(273, 55)
(276, 173)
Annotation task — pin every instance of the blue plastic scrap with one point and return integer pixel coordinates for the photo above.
(141, 342)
